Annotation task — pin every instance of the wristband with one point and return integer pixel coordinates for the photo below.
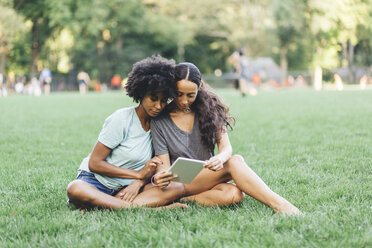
(152, 181)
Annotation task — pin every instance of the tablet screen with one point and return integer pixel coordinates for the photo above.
(186, 169)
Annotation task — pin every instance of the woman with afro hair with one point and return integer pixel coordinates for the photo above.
(115, 174)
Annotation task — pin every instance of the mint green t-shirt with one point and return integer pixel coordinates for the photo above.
(130, 143)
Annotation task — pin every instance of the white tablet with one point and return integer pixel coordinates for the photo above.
(186, 169)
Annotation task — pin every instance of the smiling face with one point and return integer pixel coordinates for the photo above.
(153, 103)
(186, 94)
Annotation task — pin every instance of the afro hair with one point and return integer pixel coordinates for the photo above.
(152, 74)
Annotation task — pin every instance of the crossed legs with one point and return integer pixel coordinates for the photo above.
(83, 195)
(208, 189)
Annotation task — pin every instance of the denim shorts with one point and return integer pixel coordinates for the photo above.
(92, 180)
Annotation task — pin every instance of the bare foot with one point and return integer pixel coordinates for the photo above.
(287, 209)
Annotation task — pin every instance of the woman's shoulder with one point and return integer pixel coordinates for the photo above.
(121, 114)
(127, 111)
(162, 118)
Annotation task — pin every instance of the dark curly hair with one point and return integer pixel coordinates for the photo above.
(213, 115)
(152, 74)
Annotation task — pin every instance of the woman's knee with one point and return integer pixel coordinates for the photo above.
(176, 188)
(72, 188)
(232, 194)
(237, 158)
(76, 190)
(234, 161)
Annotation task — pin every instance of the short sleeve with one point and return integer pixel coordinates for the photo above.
(158, 140)
(113, 130)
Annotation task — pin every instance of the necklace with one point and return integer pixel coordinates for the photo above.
(186, 110)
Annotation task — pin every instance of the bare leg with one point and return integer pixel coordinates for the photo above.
(243, 86)
(82, 88)
(84, 195)
(246, 180)
(250, 183)
(152, 196)
(46, 89)
(222, 194)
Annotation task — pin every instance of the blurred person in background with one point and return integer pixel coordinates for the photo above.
(116, 82)
(10, 80)
(46, 79)
(83, 81)
(33, 88)
(20, 85)
(243, 72)
(363, 82)
(339, 84)
(234, 61)
(3, 91)
(97, 87)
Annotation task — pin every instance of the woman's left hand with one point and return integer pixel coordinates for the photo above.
(214, 163)
(130, 192)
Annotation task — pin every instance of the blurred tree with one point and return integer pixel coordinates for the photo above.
(11, 27)
(209, 31)
(335, 26)
(289, 20)
(37, 12)
(110, 36)
(175, 26)
(363, 50)
(106, 37)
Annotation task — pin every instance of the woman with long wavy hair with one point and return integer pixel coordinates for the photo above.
(191, 126)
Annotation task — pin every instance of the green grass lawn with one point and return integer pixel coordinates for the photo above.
(313, 148)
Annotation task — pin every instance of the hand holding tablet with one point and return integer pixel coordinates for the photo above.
(186, 169)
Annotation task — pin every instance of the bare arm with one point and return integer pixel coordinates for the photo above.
(162, 178)
(98, 164)
(166, 162)
(224, 153)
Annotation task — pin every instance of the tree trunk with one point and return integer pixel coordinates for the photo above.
(35, 49)
(283, 64)
(318, 74)
(350, 59)
(181, 51)
(344, 54)
(103, 72)
(119, 46)
(2, 63)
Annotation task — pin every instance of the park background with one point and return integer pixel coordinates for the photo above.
(312, 38)
(311, 146)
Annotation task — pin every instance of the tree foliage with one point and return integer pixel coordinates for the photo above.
(11, 27)
(106, 37)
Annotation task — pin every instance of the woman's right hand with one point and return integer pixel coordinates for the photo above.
(163, 178)
(149, 169)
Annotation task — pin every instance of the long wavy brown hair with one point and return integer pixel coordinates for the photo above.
(213, 115)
